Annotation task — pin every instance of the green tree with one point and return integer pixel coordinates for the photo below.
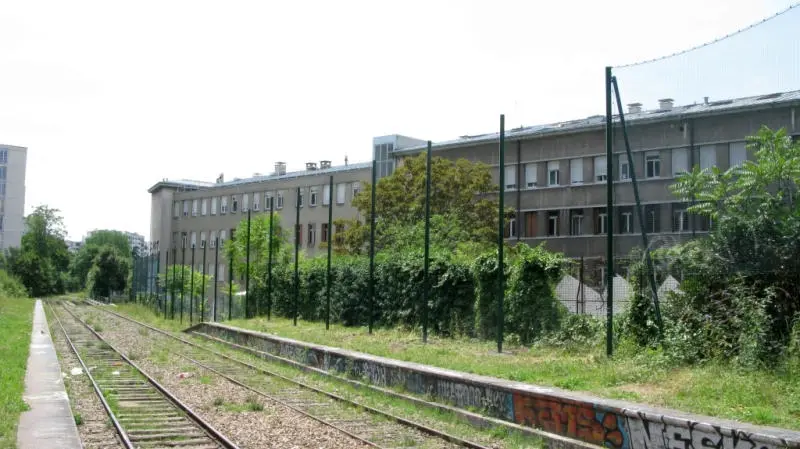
(175, 271)
(109, 272)
(740, 289)
(463, 206)
(43, 257)
(259, 246)
(116, 239)
(83, 260)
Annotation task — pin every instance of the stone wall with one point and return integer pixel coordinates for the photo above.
(610, 423)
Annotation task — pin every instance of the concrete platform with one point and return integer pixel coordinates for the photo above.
(49, 422)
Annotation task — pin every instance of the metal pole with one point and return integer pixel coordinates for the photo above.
(147, 275)
(648, 259)
(297, 238)
(230, 287)
(426, 260)
(191, 291)
(183, 271)
(216, 274)
(269, 259)
(247, 271)
(501, 279)
(133, 276)
(172, 305)
(372, 247)
(203, 291)
(330, 246)
(158, 267)
(609, 215)
(166, 284)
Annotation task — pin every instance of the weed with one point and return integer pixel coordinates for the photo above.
(218, 401)
(78, 419)
(205, 380)
(253, 405)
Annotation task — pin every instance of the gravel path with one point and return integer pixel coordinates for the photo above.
(95, 429)
(249, 420)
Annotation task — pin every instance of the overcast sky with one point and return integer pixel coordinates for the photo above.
(111, 97)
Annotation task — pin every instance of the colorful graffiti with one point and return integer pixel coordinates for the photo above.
(578, 421)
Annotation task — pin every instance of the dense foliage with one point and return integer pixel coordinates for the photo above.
(84, 259)
(109, 272)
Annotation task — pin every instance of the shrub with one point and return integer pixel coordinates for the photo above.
(11, 286)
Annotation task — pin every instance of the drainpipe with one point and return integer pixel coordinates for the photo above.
(519, 190)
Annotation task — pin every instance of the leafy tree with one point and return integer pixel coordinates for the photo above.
(166, 280)
(109, 272)
(259, 246)
(84, 258)
(116, 239)
(460, 208)
(740, 289)
(43, 255)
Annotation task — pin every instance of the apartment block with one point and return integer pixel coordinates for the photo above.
(204, 215)
(555, 178)
(13, 160)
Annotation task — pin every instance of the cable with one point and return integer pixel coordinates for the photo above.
(679, 53)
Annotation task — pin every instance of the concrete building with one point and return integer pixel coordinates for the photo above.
(555, 178)
(13, 161)
(202, 213)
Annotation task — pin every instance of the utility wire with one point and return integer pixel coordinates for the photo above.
(648, 61)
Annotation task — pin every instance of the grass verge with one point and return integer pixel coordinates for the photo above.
(16, 318)
(767, 397)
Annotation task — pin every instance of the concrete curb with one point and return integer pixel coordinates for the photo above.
(605, 422)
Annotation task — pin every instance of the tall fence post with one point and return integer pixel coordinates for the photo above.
(172, 302)
(166, 284)
(426, 261)
(133, 296)
(501, 275)
(183, 271)
(609, 214)
(247, 271)
(230, 285)
(203, 288)
(329, 238)
(297, 237)
(191, 290)
(372, 247)
(269, 259)
(216, 275)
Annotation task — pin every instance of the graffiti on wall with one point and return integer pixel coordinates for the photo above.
(646, 434)
(579, 421)
(494, 402)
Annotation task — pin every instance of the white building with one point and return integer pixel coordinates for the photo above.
(13, 160)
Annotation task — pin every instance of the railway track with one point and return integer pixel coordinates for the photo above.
(144, 414)
(374, 427)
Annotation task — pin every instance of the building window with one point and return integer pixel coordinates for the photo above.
(680, 220)
(234, 204)
(312, 201)
(356, 188)
(680, 161)
(256, 201)
(338, 236)
(204, 206)
(174, 240)
(652, 161)
(576, 222)
(184, 238)
(213, 239)
(600, 169)
(324, 233)
(340, 193)
(3, 156)
(176, 209)
(510, 230)
(300, 198)
(269, 202)
(576, 171)
(626, 222)
(511, 177)
(222, 272)
(2, 172)
(552, 224)
(326, 195)
(552, 173)
(202, 239)
(311, 235)
(530, 224)
(279, 200)
(708, 157)
(194, 208)
(214, 206)
(185, 208)
(602, 222)
(194, 239)
(737, 154)
(223, 208)
(652, 215)
(530, 175)
(624, 168)
(245, 202)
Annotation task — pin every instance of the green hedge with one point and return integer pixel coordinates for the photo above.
(462, 296)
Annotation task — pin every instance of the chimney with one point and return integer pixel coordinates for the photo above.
(221, 178)
(705, 101)
(345, 160)
(665, 104)
(324, 164)
(311, 166)
(634, 108)
(280, 168)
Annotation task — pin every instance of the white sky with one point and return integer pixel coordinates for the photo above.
(110, 97)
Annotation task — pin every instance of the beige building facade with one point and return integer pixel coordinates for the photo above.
(13, 162)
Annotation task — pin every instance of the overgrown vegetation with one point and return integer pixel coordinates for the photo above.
(16, 316)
